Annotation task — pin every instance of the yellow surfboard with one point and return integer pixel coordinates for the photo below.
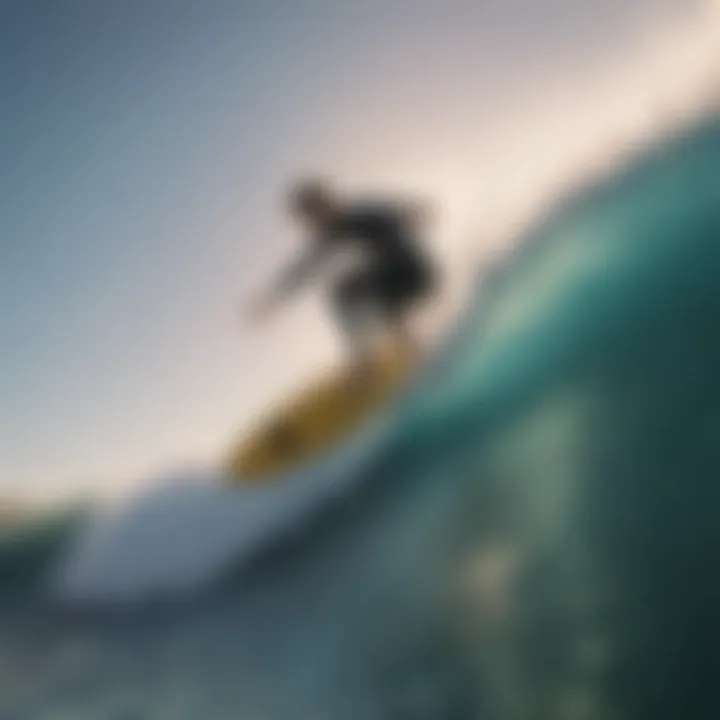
(317, 419)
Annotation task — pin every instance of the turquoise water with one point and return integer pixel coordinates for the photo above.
(537, 540)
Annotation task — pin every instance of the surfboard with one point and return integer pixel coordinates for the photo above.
(317, 419)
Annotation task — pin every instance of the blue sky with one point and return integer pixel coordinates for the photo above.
(144, 148)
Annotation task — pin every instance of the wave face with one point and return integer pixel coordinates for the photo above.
(536, 538)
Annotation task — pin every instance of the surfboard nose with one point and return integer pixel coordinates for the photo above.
(317, 419)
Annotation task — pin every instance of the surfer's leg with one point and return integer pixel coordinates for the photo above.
(351, 300)
(399, 289)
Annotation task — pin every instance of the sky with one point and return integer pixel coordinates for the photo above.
(145, 146)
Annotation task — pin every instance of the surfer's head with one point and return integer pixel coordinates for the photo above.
(313, 201)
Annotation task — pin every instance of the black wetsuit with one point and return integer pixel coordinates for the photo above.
(395, 275)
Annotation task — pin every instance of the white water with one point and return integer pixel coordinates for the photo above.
(186, 528)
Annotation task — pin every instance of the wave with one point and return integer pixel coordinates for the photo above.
(580, 281)
(535, 535)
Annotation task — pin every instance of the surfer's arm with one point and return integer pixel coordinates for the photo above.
(289, 281)
(299, 272)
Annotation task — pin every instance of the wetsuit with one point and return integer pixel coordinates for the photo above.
(395, 275)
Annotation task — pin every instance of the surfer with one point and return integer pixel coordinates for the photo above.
(394, 275)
